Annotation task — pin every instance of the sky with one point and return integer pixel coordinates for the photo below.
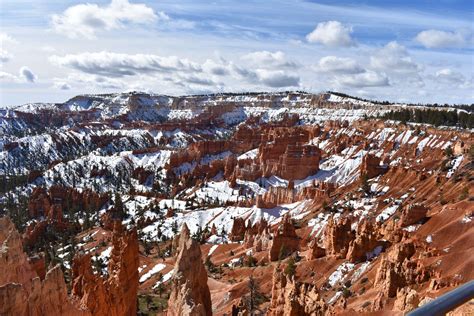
(401, 51)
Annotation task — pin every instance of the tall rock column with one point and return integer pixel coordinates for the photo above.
(116, 295)
(190, 293)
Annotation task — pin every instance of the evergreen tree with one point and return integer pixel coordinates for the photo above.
(290, 269)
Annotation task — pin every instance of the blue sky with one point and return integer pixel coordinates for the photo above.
(407, 51)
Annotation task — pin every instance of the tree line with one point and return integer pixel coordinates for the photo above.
(432, 116)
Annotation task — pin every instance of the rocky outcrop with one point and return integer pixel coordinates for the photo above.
(338, 235)
(238, 230)
(117, 294)
(275, 196)
(407, 300)
(285, 241)
(398, 269)
(50, 296)
(38, 263)
(123, 269)
(189, 290)
(257, 236)
(14, 265)
(290, 298)
(315, 251)
(283, 152)
(370, 166)
(196, 151)
(366, 243)
(48, 206)
(412, 214)
(41, 201)
(22, 292)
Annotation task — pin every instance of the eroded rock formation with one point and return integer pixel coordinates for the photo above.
(370, 166)
(366, 243)
(189, 290)
(338, 235)
(407, 300)
(238, 229)
(290, 298)
(397, 270)
(412, 214)
(285, 241)
(116, 294)
(22, 292)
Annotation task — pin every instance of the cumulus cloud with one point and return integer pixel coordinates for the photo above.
(8, 77)
(4, 56)
(121, 65)
(268, 59)
(394, 58)
(448, 75)
(277, 78)
(440, 39)
(332, 34)
(84, 20)
(266, 77)
(62, 85)
(195, 80)
(179, 71)
(82, 81)
(217, 68)
(366, 79)
(338, 65)
(5, 38)
(27, 74)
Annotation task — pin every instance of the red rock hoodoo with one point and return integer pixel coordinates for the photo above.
(189, 290)
(285, 241)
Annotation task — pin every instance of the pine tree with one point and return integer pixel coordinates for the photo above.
(290, 269)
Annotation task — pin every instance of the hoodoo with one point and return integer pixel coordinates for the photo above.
(189, 290)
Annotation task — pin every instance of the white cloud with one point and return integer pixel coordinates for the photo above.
(277, 78)
(448, 75)
(178, 71)
(366, 79)
(4, 56)
(338, 65)
(62, 85)
(331, 33)
(4, 38)
(82, 81)
(27, 74)
(440, 39)
(219, 68)
(122, 65)
(199, 80)
(268, 59)
(84, 20)
(8, 77)
(48, 49)
(394, 58)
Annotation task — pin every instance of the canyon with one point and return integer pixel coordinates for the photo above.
(284, 203)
